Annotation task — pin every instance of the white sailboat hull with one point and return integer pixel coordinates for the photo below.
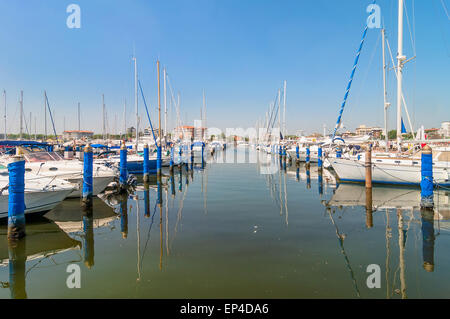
(406, 172)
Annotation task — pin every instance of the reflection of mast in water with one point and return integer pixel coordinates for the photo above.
(17, 265)
(388, 236)
(138, 236)
(205, 194)
(160, 222)
(167, 222)
(279, 186)
(179, 214)
(285, 198)
(401, 244)
(341, 244)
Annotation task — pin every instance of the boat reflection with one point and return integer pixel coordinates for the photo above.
(44, 240)
(405, 203)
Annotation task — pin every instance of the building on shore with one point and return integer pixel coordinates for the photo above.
(445, 129)
(372, 131)
(76, 135)
(190, 132)
(433, 133)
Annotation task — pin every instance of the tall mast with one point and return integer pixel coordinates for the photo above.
(279, 112)
(35, 128)
(45, 114)
(29, 131)
(165, 106)
(159, 105)
(4, 95)
(103, 117)
(204, 112)
(125, 118)
(386, 104)
(400, 59)
(136, 101)
(79, 118)
(284, 111)
(21, 114)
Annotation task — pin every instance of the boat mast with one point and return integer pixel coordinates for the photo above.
(279, 112)
(45, 114)
(284, 111)
(79, 121)
(204, 113)
(159, 105)
(165, 107)
(4, 95)
(400, 59)
(103, 117)
(386, 104)
(125, 119)
(136, 101)
(21, 114)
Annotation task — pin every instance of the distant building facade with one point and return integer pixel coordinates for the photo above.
(445, 129)
(75, 134)
(433, 133)
(148, 132)
(372, 131)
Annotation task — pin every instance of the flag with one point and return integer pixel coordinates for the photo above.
(403, 127)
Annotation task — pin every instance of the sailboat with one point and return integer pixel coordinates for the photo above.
(395, 168)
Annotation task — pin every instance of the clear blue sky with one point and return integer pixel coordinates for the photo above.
(239, 51)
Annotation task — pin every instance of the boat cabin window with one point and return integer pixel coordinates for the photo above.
(42, 157)
(53, 169)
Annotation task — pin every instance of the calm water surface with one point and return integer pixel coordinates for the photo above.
(231, 231)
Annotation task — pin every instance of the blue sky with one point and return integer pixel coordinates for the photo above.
(238, 51)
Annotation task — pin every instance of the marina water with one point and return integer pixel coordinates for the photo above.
(230, 230)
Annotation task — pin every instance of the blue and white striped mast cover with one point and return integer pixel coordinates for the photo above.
(351, 79)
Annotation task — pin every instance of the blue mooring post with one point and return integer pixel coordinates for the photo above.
(308, 153)
(123, 167)
(319, 157)
(158, 160)
(338, 152)
(203, 151)
(88, 167)
(180, 153)
(297, 152)
(146, 164)
(171, 158)
(16, 198)
(426, 185)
